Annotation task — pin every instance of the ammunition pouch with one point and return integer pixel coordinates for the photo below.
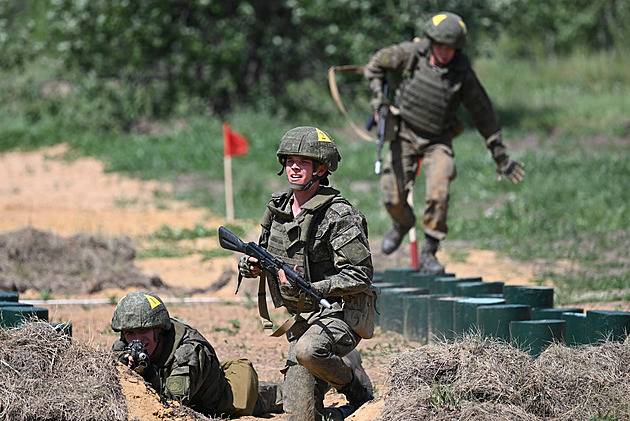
(359, 311)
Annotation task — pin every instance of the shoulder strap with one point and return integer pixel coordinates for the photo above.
(263, 311)
(412, 61)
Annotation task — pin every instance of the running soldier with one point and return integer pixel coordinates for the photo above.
(437, 79)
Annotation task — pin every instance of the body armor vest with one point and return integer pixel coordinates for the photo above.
(289, 239)
(285, 243)
(426, 97)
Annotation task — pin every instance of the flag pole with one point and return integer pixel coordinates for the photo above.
(413, 242)
(229, 195)
(227, 173)
(233, 144)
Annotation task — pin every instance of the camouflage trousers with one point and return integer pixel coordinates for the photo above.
(270, 399)
(399, 175)
(321, 355)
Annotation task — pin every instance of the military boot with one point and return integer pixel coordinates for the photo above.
(337, 413)
(428, 262)
(394, 237)
(356, 394)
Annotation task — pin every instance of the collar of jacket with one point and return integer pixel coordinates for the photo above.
(279, 203)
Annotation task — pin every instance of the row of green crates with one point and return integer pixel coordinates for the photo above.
(14, 313)
(428, 308)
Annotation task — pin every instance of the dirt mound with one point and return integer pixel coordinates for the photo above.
(82, 263)
(44, 375)
(144, 404)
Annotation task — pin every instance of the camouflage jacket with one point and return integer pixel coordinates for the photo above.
(328, 241)
(188, 371)
(463, 87)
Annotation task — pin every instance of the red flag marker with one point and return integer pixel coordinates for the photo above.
(234, 144)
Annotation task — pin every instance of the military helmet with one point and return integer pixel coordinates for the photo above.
(446, 28)
(139, 310)
(309, 142)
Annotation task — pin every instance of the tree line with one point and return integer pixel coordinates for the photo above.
(153, 56)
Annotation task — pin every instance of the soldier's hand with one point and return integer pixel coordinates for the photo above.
(282, 276)
(378, 99)
(248, 266)
(287, 287)
(511, 169)
(127, 360)
(124, 359)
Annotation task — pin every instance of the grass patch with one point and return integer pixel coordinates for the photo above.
(166, 233)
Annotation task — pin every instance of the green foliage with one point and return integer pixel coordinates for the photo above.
(232, 330)
(176, 234)
(443, 397)
(565, 26)
(17, 29)
(145, 87)
(158, 59)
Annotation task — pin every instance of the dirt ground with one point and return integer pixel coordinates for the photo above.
(43, 191)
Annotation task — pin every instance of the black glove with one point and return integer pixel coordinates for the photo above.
(511, 169)
(378, 100)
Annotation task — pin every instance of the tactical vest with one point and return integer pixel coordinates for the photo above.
(426, 96)
(289, 239)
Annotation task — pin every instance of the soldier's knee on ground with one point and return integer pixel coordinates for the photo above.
(303, 394)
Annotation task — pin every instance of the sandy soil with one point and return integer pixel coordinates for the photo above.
(42, 190)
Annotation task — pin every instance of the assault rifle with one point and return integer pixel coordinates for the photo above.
(137, 353)
(383, 110)
(268, 262)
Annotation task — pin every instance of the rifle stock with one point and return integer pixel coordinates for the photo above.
(268, 262)
(230, 241)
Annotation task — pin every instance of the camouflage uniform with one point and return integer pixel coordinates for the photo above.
(455, 84)
(188, 369)
(428, 99)
(327, 241)
(331, 235)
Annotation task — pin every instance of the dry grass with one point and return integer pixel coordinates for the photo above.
(44, 375)
(483, 379)
(82, 263)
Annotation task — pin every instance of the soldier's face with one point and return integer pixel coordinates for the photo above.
(299, 169)
(441, 54)
(147, 337)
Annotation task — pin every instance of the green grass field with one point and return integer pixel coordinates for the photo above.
(565, 118)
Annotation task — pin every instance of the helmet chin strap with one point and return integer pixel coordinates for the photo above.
(301, 187)
(304, 187)
(158, 335)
